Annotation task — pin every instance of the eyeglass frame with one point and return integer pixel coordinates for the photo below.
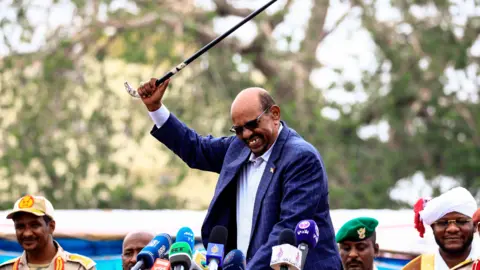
(252, 123)
(452, 221)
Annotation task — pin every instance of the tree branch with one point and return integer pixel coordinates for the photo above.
(279, 16)
(225, 9)
(314, 32)
(336, 25)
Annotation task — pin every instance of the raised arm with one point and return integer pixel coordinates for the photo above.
(199, 152)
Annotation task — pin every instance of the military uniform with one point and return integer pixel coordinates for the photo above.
(63, 260)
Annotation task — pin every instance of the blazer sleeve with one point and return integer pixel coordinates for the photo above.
(305, 196)
(198, 152)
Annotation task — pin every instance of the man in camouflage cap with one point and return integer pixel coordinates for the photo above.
(358, 245)
(33, 217)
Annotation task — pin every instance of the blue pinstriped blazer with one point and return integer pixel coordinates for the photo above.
(296, 190)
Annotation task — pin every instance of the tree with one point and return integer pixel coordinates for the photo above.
(81, 68)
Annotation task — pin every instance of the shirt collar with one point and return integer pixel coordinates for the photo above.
(60, 253)
(267, 154)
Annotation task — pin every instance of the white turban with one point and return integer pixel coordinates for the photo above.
(455, 200)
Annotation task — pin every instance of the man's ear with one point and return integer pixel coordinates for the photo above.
(275, 111)
(51, 226)
(376, 248)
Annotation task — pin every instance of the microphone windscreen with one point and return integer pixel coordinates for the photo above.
(158, 246)
(180, 255)
(287, 236)
(234, 260)
(219, 235)
(307, 232)
(185, 234)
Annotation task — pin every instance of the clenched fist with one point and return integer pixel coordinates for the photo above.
(152, 95)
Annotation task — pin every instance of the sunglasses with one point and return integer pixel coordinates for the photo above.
(250, 125)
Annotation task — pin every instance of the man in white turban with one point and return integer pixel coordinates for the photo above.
(450, 217)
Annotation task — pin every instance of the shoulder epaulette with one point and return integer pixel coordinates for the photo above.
(85, 261)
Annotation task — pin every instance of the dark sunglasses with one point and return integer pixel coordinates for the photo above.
(250, 125)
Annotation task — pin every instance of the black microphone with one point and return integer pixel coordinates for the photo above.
(216, 247)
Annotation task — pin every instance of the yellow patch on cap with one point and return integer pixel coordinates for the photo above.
(361, 233)
(26, 202)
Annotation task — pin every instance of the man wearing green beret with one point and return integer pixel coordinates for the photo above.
(357, 242)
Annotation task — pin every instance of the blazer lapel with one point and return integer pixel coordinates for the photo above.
(270, 171)
(228, 175)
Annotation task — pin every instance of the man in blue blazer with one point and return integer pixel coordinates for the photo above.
(270, 177)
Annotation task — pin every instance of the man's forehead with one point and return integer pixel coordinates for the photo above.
(137, 239)
(25, 217)
(453, 215)
(134, 245)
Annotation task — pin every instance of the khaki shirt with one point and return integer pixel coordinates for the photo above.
(63, 260)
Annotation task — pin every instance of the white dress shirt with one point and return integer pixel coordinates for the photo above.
(247, 184)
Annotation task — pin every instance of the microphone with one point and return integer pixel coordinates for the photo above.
(199, 260)
(161, 264)
(180, 256)
(157, 247)
(185, 234)
(307, 237)
(216, 244)
(286, 256)
(235, 260)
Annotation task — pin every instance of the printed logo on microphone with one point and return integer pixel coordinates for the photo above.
(317, 233)
(161, 250)
(299, 232)
(214, 249)
(280, 253)
(297, 259)
(153, 243)
(304, 224)
(228, 258)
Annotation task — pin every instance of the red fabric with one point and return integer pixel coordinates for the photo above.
(417, 207)
(476, 216)
(476, 264)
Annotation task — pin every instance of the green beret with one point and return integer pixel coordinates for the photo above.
(357, 229)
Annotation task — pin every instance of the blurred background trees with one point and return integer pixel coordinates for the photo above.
(407, 104)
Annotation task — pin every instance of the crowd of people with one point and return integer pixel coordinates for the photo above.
(453, 217)
(270, 179)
